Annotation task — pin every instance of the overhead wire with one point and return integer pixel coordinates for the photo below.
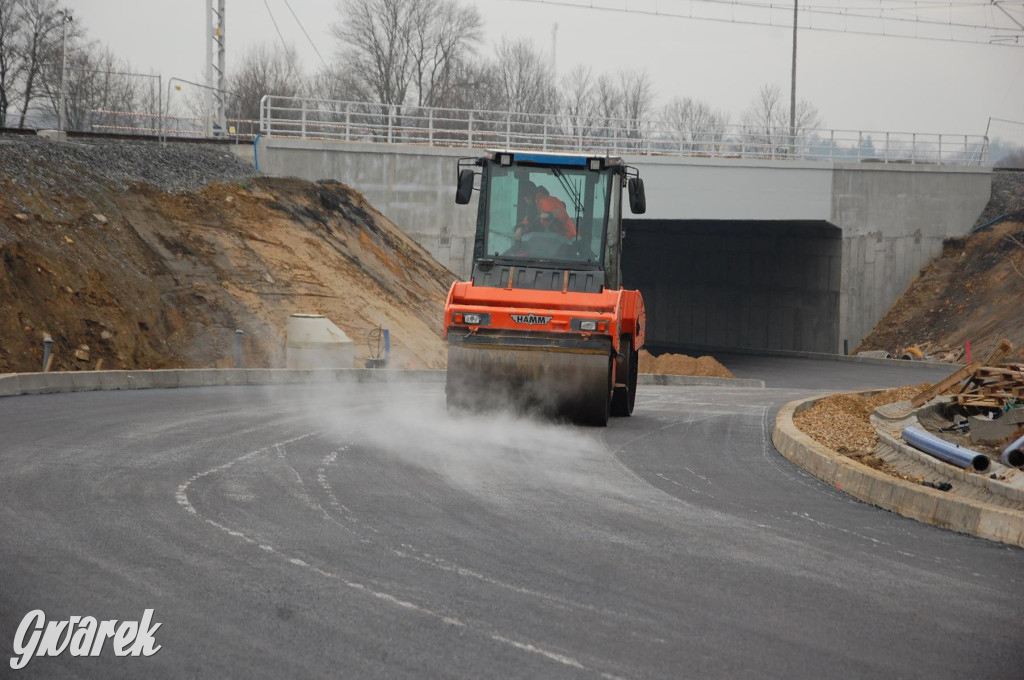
(284, 45)
(312, 44)
(1001, 33)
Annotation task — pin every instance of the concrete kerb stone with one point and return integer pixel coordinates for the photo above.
(891, 493)
(85, 381)
(696, 381)
(164, 378)
(10, 385)
(34, 383)
(823, 356)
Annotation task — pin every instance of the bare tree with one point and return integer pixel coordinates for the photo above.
(578, 101)
(525, 79)
(637, 93)
(444, 33)
(10, 64)
(39, 44)
(695, 125)
(608, 108)
(767, 120)
(98, 87)
(376, 39)
(263, 70)
(336, 83)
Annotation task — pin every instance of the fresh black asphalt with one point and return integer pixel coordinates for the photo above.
(362, 532)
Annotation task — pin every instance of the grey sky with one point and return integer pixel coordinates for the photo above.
(857, 82)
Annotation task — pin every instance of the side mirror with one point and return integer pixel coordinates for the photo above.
(637, 198)
(465, 189)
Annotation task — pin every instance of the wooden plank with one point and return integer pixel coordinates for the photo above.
(949, 381)
(1002, 348)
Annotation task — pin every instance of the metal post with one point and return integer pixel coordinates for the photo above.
(160, 105)
(47, 345)
(792, 89)
(886, 147)
(508, 130)
(303, 119)
(913, 148)
(391, 111)
(469, 132)
(348, 121)
(65, 19)
(940, 149)
(238, 347)
(430, 127)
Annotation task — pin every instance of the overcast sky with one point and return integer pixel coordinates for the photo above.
(858, 82)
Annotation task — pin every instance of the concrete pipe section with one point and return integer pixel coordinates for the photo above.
(361, 531)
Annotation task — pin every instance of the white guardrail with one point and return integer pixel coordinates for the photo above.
(344, 121)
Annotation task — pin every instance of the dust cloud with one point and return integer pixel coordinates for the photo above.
(477, 452)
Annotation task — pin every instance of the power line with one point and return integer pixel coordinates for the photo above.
(997, 35)
(289, 6)
(284, 45)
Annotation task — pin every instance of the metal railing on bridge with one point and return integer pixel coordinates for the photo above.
(345, 121)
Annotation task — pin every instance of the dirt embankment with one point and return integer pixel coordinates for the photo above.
(974, 292)
(138, 277)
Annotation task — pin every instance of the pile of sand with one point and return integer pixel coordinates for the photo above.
(680, 364)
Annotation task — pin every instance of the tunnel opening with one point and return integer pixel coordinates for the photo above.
(736, 284)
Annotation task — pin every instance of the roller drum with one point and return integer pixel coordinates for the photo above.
(569, 383)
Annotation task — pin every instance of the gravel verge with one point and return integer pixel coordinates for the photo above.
(174, 168)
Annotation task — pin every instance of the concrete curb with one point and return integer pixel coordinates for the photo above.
(890, 493)
(820, 356)
(696, 381)
(15, 384)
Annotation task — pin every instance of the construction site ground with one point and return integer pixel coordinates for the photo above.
(133, 255)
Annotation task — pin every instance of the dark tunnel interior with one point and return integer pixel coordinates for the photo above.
(711, 284)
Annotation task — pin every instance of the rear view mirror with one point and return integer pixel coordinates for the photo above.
(465, 189)
(637, 198)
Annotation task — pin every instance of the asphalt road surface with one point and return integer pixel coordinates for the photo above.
(362, 532)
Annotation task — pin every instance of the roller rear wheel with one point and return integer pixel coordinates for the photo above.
(626, 370)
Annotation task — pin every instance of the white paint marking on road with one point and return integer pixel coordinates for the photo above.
(698, 476)
(804, 515)
(183, 500)
(527, 647)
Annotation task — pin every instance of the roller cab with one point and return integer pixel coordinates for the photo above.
(543, 324)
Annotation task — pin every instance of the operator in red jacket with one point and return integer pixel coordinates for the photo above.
(550, 215)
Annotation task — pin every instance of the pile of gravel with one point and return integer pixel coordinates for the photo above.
(175, 168)
(1007, 196)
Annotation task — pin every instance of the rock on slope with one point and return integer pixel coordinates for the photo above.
(98, 253)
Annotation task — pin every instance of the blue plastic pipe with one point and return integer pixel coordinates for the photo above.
(945, 451)
(1013, 455)
(256, 152)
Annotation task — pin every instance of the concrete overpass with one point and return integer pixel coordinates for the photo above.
(733, 253)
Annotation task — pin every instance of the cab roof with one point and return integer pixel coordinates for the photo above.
(551, 158)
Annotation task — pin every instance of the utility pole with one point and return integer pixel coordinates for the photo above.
(792, 89)
(554, 46)
(215, 104)
(65, 19)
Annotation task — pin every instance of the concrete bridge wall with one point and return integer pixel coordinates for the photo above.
(831, 245)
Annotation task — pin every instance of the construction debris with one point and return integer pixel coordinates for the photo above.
(984, 384)
(997, 387)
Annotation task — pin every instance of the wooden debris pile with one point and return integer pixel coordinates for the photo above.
(990, 384)
(996, 387)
